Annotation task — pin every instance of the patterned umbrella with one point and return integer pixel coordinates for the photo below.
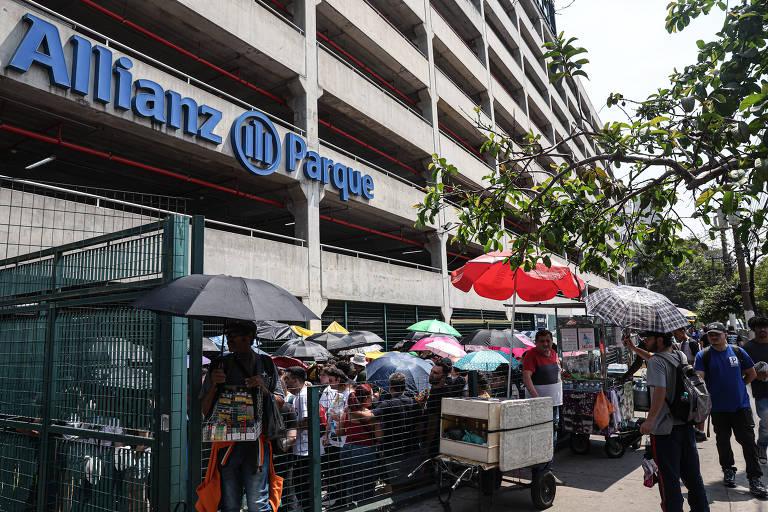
(445, 348)
(484, 361)
(434, 326)
(421, 345)
(361, 350)
(637, 308)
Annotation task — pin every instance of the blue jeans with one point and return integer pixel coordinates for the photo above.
(360, 469)
(677, 458)
(241, 474)
(762, 413)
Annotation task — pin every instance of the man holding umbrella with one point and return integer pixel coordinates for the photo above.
(239, 466)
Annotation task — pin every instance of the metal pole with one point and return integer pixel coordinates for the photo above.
(195, 372)
(313, 425)
(509, 366)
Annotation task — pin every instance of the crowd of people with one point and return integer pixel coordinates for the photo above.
(367, 434)
(370, 435)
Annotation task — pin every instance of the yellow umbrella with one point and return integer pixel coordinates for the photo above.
(374, 355)
(302, 331)
(336, 327)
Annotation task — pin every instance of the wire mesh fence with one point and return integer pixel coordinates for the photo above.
(86, 379)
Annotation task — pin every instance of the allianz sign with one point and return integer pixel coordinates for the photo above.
(255, 141)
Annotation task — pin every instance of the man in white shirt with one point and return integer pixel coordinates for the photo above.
(334, 401)
(295, 377)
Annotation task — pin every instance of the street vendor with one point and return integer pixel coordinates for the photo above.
(244, 466)
(541, 374)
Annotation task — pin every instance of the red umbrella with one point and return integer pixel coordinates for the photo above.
(287, 362)
(492, 277)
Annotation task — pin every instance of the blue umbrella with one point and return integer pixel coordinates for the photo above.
(483, 361)
(416, 371)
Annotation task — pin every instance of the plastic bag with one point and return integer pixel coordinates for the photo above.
(602, 411)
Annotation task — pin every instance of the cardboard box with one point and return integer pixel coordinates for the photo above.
(518, 433)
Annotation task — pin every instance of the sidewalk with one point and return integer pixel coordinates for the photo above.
(596, 483)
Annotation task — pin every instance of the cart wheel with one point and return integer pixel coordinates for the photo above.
(614, 448)
(490, 481)
(636, 445)
(580, 444)
(543, 490)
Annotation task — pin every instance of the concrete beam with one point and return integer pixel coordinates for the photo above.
(247, 20)
(461, 56)
(462, 105)
(341, 81)
(467, 164)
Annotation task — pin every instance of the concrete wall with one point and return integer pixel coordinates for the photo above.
(254, 25)
(357, 279)
(369, 22)
(341, 81)
(461, 53)
(280, 263)
(467, 164)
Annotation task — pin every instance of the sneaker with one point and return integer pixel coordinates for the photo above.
(757, 488)
(762, 457)
(729, 477)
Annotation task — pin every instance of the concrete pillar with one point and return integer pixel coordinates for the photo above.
(437, 241)
(437, 247)
(305, 199)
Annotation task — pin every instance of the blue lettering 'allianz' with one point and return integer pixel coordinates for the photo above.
(255, 140)
(93, 70)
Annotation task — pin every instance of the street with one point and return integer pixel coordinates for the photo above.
(596, 483)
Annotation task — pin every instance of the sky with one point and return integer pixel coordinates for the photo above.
(631, 52)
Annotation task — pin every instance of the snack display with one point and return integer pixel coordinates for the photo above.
(233, 417)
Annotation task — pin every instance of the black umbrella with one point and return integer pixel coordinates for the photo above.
(324, 338)
(416, 335)
(486, 337)
(355, 339)
(275, 331)
(303, 349)
(205, 296)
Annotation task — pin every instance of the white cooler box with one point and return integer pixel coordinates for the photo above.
(518, 432)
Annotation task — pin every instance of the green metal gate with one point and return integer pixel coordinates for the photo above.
(92, 391)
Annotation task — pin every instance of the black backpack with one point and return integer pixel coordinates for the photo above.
(691, 402)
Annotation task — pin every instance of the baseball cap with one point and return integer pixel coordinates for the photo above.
(716, 327)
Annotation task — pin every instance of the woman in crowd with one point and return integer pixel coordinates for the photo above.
(358, 455)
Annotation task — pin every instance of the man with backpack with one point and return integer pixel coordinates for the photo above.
(727, 369)
(673, 441)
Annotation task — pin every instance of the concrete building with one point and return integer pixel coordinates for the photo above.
(223, 104)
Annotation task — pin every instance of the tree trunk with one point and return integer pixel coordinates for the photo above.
(741, 263)
(726, 257)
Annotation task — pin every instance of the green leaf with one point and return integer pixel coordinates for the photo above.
(752, 99)
(705, 196)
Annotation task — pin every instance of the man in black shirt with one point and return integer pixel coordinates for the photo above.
(758, 351)
(440, 387)
(397, 413)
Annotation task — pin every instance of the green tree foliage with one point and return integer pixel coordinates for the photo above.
(761, 287)
(686, 284)
(718, 301)
(704, 133)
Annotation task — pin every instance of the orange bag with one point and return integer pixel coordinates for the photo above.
(602, 411)
(209, 490)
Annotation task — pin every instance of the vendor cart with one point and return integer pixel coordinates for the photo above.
(587, 349)
(453, 471)
(485, 442)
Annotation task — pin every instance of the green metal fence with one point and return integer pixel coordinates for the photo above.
(92, 391)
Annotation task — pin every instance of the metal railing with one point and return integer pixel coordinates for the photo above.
(369, 256)
(386, 20)
(370, 80)
(149, 60)
(372, 165)
(281, 16)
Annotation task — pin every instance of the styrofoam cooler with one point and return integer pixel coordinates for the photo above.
(519, 432)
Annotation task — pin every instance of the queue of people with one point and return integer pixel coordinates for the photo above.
(367, 433)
